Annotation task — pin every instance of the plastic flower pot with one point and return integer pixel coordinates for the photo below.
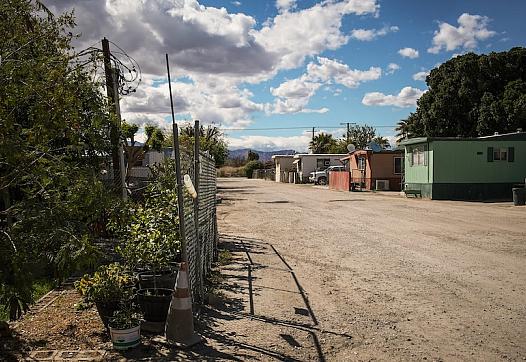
(123, 339)
(154, 303)
(163, 279)
(106, 310)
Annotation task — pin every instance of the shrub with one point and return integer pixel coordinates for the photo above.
(110, 283)
(251, 166)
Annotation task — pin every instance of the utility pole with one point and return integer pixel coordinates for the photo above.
(312, 149)
(112, 94)
(122, 172)
(348, 129)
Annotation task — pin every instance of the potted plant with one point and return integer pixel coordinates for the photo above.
(125, 328)
(152, 242)
(110, 285)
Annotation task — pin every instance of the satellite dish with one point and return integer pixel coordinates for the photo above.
(375, 147)
(350, 147)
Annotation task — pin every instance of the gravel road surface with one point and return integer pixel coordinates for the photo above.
(326, 275)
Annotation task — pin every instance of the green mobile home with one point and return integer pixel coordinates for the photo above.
(484, 168)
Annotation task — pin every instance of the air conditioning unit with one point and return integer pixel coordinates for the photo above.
(382, 185)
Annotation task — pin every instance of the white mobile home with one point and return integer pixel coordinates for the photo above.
(310, 162)
(284, 166)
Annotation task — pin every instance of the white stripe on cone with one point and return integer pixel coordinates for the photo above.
(182, 280)
(181, 303)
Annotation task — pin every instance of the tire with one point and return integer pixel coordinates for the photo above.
(322, 180)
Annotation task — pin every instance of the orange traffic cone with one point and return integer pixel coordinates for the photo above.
(180, 321)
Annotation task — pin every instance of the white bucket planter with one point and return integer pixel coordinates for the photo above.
(125, 338)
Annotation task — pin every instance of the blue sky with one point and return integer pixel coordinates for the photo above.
(286, 63)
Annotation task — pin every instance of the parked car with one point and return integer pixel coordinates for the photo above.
(322, 177)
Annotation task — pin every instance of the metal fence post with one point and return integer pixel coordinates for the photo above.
(198, 234)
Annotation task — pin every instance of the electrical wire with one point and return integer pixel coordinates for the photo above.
(292, 128)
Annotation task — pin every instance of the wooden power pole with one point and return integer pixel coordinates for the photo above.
(112, 97)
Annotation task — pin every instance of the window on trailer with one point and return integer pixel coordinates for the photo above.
(419, 156)
(361, 163)
(398, 165)
(500, 154)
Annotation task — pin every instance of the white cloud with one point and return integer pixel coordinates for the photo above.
(285, 5)
(471, 29)
(362, 7)
(406, 98)
(270, 143)
(391, 68)
(331, 70)
(421, 75)
(299, 143)
(371, 34)
(236, 3)
(293, 36)
(408, 53)
(294, 95)
(216, 50)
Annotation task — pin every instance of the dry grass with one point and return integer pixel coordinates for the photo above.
(230, 171)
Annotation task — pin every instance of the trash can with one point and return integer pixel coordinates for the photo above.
(519, 196)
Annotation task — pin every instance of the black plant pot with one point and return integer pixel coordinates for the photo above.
(155, 303)
(106, 311)
(163, 279)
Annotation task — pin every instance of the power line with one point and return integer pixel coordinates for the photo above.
(290, 128)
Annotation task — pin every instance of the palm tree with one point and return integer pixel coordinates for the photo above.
(382, 142)
(322, 143)
(403, 130)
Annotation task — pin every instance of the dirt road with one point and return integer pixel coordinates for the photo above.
(325, 275)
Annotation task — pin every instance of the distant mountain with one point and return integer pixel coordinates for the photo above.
(263, 155)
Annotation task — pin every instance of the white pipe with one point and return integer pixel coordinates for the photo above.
(189, 186)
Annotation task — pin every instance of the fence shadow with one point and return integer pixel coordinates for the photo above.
(237, 308)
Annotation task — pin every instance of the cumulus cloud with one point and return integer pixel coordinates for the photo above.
(421, 75)
(408, 53)
(471, 30)
(294, 95)
(331, 70)
(293, 36)
(285, 5)
(299, 143)
(406, 98)
(270, 143)
(371, 34)
(217, 50)
(391, 68)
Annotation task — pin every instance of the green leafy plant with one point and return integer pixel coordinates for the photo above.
(55, 138)
(251, 166)
(151, 236)
(125, 317)
(110, 283)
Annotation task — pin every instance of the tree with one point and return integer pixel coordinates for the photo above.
(473, 95)
(382, 142)
(322, 143)
(252, 156)
(340, 146)
(211, 139)
(361, 136)
(251, 166)
(55, 138)
(402, 129)
(154, 140)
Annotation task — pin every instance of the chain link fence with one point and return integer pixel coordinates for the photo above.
(201, 242)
